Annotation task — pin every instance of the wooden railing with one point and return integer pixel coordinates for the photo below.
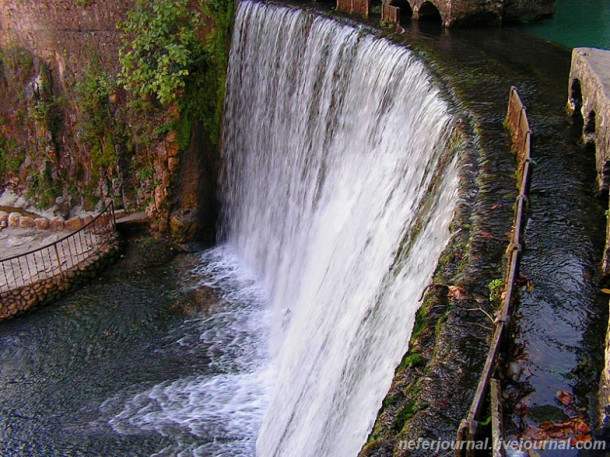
(58, 257)
(517, 123)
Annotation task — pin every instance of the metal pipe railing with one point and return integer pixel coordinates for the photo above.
(58, 257)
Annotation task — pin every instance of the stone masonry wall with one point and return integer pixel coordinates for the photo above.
(65, 32)
(455, 13)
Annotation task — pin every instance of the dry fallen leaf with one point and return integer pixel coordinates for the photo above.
(564, 397)
(457, 292)
(575, 429)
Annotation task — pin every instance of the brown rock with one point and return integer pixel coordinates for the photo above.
(173, 163)
(13, 219)
(42, 223)
(27, 222)
(3, 216)
(171, 144)
(74, 224)
(184, 226)
(57, 224)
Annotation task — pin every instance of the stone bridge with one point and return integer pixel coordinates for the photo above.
(452, 13)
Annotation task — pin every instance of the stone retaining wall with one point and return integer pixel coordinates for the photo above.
(56, 224)
(589, 99)
(22, 299)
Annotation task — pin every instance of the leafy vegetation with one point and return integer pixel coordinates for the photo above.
(161, 48)
(172, 77)
(496, 287)
(9, 161)
(166, 59)
(96, 123)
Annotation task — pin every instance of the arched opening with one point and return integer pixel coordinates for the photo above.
(590, 124)
(604, 178)
(429, 12)
(405, 13)
(575, 102)
(376, 7)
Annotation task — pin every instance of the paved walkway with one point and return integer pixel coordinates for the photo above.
(43, 263)
(15, 241)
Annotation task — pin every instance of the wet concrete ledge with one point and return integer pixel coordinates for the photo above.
(589, 98)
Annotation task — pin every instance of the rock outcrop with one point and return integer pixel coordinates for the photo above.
(48, 48)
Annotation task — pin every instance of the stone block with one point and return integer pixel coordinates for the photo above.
(361, 7)
(345, 5)
(57, 224)
(390, 14)
(27, 222)
(42, 223)
(13, 219)
(74, 224)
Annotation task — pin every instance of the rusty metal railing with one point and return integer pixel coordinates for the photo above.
(517, 123)
(60, 256)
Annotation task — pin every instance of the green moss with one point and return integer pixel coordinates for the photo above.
(43, 189)
(97, 126)
(411, 360)
(10, 160)
(406, 413)
(204, 97)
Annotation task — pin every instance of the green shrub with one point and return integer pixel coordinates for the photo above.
(496, 287)
(161, 48)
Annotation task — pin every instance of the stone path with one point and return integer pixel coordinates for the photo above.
(43, 263)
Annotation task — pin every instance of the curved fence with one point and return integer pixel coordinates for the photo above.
(61, 256)
(518, 125)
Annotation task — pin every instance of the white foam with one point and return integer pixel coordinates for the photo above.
(217, 413)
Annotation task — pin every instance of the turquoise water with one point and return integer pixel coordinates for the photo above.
(577, 23)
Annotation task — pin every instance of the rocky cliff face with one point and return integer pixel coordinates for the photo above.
(71, 136)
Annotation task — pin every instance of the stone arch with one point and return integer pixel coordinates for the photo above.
(589, 127)
(405, 13)
(429, 12)
(575, 100)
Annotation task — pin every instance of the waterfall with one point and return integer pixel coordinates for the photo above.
(337, 190)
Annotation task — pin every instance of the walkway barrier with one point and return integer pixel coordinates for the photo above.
(55, 258)
(517, 122)
(41, 275)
